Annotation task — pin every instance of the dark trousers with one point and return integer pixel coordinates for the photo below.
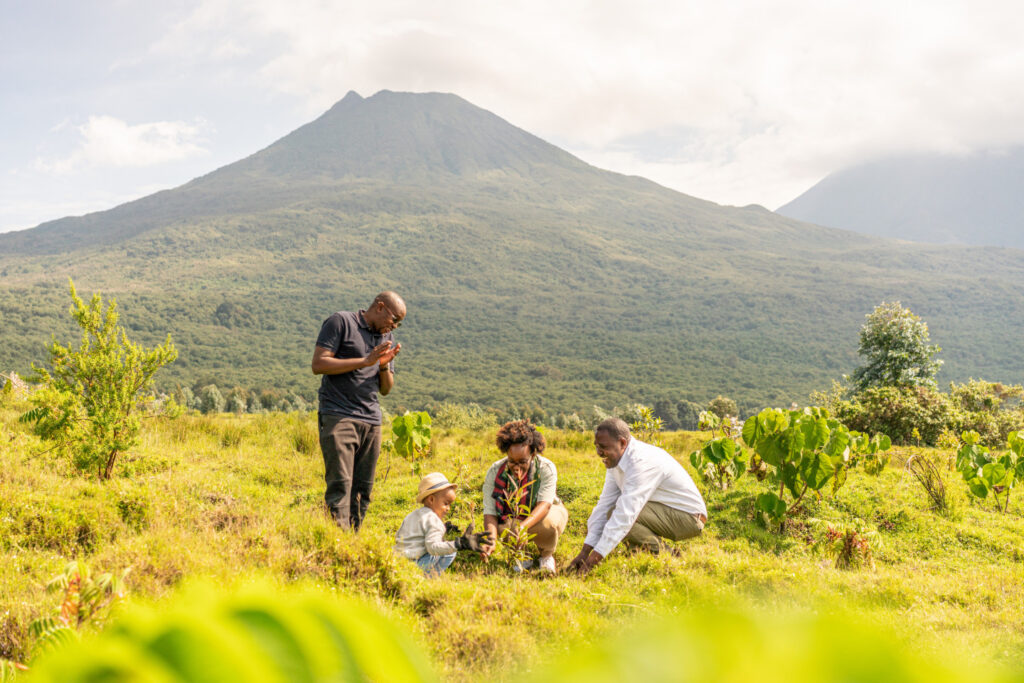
(350, 449)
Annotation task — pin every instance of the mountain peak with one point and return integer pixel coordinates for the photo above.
(401, 136)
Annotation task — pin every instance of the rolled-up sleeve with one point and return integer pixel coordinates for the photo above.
(599, 517)
(637, 488)
(433, 537)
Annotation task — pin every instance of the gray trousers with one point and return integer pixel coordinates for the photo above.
(350, 449)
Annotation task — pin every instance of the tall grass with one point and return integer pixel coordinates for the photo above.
(224, 496)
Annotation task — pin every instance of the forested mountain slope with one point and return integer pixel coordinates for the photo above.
(531, 277)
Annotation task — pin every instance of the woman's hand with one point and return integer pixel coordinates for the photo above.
(491, 527)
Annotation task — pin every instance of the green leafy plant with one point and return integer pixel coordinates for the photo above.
(260, 634)
(988, 472)
(88, 405)
(803, 450)
(411, 437)
(514, 541)
(646, 426)
(721, 460)
(85, 601)
(873, 451)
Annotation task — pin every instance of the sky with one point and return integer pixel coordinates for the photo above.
(737, 101)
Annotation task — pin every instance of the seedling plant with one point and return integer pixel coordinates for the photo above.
(803, 450)
(721, 460)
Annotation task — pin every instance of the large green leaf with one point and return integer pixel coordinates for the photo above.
(752, 430)
(994, 474)
(839, 478)
(816, 469)
(978, 487)
(815, 432)
(720, 451)
(696, 460)
(790, 475)
(838, 442)
(771, 505)
(794, 440)
(773, 449)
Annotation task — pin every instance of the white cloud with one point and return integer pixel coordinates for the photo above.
(743, 101)
(779, 93)
(110, 142)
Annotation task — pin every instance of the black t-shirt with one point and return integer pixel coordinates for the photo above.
(351, 394)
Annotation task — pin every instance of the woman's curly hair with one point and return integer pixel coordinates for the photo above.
(520, 431)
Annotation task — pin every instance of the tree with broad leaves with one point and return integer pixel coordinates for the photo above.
(894, 343)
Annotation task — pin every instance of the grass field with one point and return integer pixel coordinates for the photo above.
(225, 497)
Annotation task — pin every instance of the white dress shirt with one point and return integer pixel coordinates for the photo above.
(644, 473)
(421, 533)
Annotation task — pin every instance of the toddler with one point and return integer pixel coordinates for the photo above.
(421, 536)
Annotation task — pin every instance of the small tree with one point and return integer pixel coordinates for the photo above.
(894, 342)
(723, 407)
(88, 405)
(211, 400)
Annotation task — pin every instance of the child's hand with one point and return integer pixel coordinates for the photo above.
(449, 527)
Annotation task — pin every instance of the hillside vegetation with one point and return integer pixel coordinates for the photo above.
(531, 278)
(223, 497)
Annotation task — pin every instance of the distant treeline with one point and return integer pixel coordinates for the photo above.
(674, 414)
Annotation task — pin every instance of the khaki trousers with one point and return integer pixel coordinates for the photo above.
(658, 521)
(547, 530)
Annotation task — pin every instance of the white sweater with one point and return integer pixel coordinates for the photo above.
(422, 533)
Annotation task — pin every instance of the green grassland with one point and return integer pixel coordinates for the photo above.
(224, 497)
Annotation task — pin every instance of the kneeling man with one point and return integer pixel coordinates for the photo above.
(647, 496)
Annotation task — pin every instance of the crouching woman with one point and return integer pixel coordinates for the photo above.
(519, 492)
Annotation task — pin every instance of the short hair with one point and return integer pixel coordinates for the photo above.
(615, 427)
(517, 432)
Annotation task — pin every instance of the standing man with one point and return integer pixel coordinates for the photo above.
(647, 496)
(355, 353)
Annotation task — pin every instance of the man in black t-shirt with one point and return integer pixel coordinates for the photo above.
(355, 353)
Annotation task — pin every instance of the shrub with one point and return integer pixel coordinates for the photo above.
(804, 450)
(991, 409)
(689, 414)
(88, 404)
(471, 416)
(987, 472)
(898, 411)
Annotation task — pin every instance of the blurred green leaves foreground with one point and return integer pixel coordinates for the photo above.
(258, 634)
(263, 633)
